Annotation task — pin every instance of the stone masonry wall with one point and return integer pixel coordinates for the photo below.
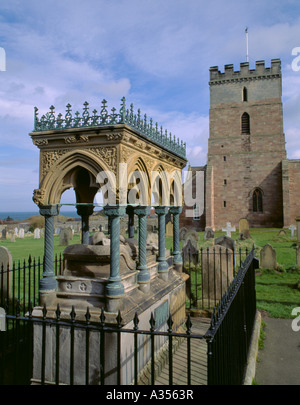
(240, 162)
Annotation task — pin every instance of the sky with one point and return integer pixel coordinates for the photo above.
(156, 53)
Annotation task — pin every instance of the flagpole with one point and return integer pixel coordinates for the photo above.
(247, 55)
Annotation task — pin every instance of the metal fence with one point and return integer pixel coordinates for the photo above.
(20, 283)
(211, 271)
(227, 339)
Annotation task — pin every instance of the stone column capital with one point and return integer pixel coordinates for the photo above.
(175, 210)
(49, 210)
(161, 210)
(114, 210)
(142, 210)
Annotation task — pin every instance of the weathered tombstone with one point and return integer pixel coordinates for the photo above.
(16, 231)
(268, 257)
(208, 234)
(298, 256)
(226, 242)
(190, 253)
(2, 320)
(150, 228)
(292, 228)
(37, 233)
(21, 233)
(182, 232)
(13, 238)
(4, 234)
(282, 232)
(217, 263)
(191, 235)
(169, 229)
(64, 237)
(228, 229)
(243, 225)
(5, 265)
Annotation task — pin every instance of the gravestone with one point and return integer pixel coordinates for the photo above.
(268, 257)
(228, 229)
(21, 233)
(282, 232)
(182, 232)
(209, 234)
(5, 264)
(4, 234)
(217, 264)
(226, 242)
(2, 320)
(37, 233)
(292, 228)
(191, 235)
(64, 237)
(243, 225)
(190, 253)
(298, 256)
(16, 232)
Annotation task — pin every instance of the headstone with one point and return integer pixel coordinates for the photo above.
(2, 320)
(16, 231)
(292, 228)
(243, 225)
(64, 237)
(4, 234)
(228, 229)
(169, 229)
(217, 263)
(190, 253)
(21, 233)
(182, 232)
(208, 234)
(298, 256)
(226, 242)
(5, 263)
(191, 235)
(37, 233)
(268, 257)
(282, 232)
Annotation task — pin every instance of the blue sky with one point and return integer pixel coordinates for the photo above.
(156, 53)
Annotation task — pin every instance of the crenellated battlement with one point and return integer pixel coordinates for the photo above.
(260, 71)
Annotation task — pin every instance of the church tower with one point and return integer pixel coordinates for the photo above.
(246, 146)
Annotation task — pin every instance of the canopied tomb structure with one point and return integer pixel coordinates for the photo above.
(136, 165)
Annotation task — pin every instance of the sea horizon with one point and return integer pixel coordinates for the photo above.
(22, 215)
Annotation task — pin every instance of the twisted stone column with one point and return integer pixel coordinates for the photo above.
(48, 280)
(163, 267)
(144, 274)
(176, 211)
(114, 288)
(85, 211)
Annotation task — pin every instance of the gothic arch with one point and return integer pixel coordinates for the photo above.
(138, 179)
(63, 173)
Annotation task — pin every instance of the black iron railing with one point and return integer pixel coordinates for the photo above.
(20, 283)
(211, 271)
(228, 340)
(231, 328)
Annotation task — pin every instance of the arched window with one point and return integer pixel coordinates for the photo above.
(245, 94)
(245, 123)
(257, 199)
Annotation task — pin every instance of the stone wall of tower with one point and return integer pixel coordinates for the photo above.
(238, 163)
(291, 190)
